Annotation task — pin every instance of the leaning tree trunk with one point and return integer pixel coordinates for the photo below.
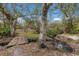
(12, 22)
(42, 36)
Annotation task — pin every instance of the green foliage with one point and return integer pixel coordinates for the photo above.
(52, 32)
(33, 24)
(32, 36)
(76, 31)
(67, 9)
(4, 31)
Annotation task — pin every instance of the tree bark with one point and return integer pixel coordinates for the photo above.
(43, 27)
(13, 28)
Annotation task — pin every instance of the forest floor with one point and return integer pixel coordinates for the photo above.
(32, 49)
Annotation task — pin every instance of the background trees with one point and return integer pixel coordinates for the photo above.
(11, 19)
(36, 18)
(68, 10)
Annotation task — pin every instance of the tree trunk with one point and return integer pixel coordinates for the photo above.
(42, 36)
(69, 25)
(13, 28)
(10, 18)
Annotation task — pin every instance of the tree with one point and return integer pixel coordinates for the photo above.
(68, 11)
(42, 36)
(10, 18)
(13, 24)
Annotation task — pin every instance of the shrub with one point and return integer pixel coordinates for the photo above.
(4, 31)
(76, 31)
(32, 37)
(52, 32)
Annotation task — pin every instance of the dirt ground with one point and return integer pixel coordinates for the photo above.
(32, 49)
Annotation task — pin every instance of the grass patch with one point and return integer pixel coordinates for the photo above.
(32, 36)
(4, 31)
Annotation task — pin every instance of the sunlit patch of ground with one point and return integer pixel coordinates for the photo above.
(20, 32)
(71, 34)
